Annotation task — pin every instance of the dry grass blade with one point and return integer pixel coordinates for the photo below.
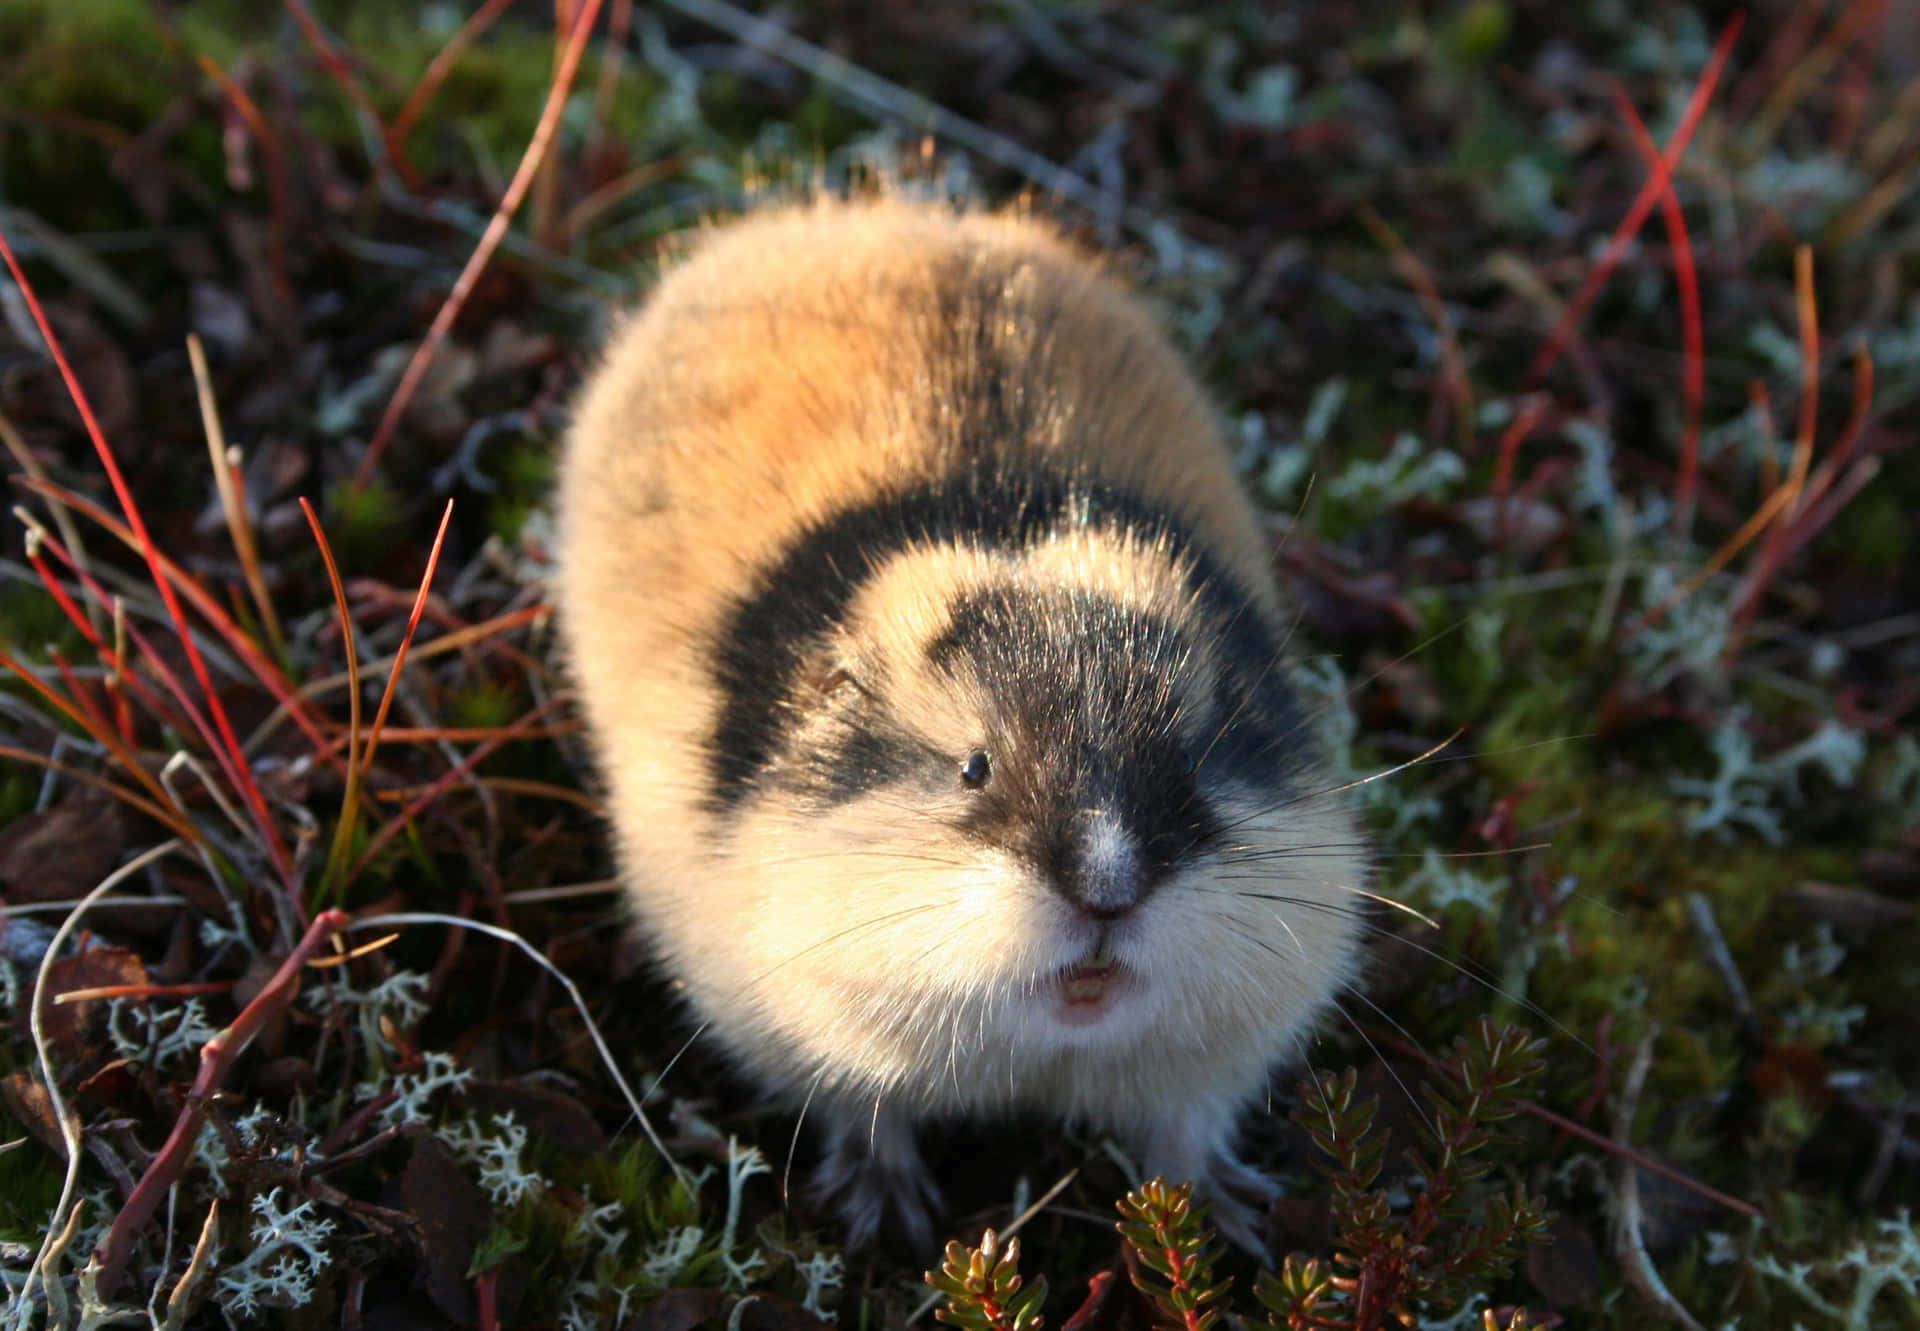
(406, 641)
(607, 1059)
(436, 74)
(332, 885)
(450, 308)
(1453, 364)
(227, 480)
(62, 1214)
(263, 667)
(228, 748)
(37, 473)
(425, 799)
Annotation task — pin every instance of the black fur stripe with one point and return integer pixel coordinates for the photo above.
(760, 652)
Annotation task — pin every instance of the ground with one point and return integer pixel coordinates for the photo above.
(1589, 468)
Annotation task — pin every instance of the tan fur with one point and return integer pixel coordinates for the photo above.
(788, 370)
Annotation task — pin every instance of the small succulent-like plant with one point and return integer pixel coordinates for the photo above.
(984, 1288)
(1453, 1238)
(1169, 1238)
(1435, 1252)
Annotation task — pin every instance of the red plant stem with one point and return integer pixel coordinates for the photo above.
(216, 1060)
(1579, 1130)
(161, 710)
(123, 754)
(342, 71)
(1788, 44)
(249, 788)
(436, 74)
(265, 669)
(197, 990)
(518, 730)
(194, 717)
(1516, 433)
(1806, 514)
(1692, 335)
(485, 1295)
(82, 696)
(1650, 193)
(406, 641)
(489, 241)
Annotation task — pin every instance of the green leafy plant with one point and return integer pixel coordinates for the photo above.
(1454, 1237)
(984, 1288)
(1167, 1236)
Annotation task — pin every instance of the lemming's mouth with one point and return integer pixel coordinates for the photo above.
(1090, 987)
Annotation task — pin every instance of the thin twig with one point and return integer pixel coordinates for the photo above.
(463, 285)
(216, 1060)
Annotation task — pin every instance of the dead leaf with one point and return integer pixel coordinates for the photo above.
(551, 1114)
(70, 1026)
(1566, 1270)
(64, 852)
(27, 1101)
(679, 1310)
(454, 1216)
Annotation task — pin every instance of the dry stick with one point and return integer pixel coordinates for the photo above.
(1693, 383)
(342, 71)
(241, 773)
(1629, 1241)
(450, 308)
(43, 1055)
(1650, 193)
(216, 1060)
(1580, 1130)
(227, 479)
(436, 74)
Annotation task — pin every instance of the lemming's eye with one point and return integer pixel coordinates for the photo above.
(1187, 764)
(975, 771)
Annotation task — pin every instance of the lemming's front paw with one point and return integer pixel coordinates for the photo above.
(1197, 1148)
(875, 1178)
(1238, 1197)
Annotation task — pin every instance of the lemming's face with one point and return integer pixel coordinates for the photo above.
(1029, 819)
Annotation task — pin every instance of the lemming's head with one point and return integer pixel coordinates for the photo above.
(1059, 781)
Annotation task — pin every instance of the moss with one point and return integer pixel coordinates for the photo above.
(362, 524)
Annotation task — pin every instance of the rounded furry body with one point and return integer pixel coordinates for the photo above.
(932, 660)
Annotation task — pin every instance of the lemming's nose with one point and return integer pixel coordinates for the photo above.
(1110, 873)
